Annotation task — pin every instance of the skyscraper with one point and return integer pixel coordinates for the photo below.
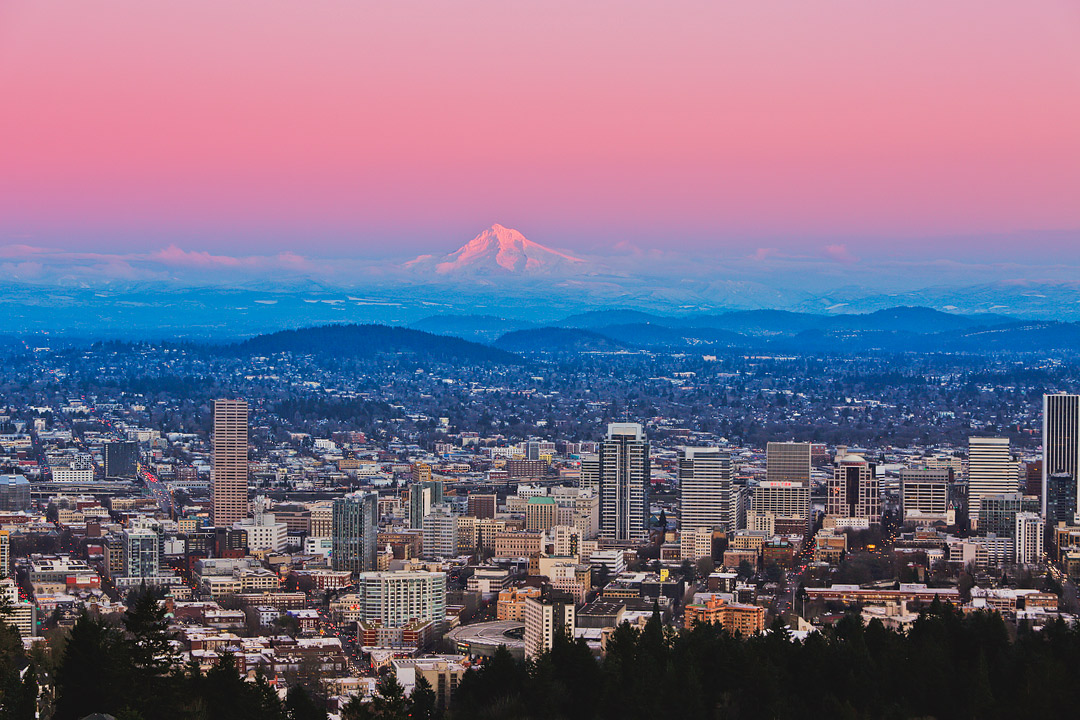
(854, 491)
(624, 484)
(786, 490)
(230, 462)
(1059, 502)
(991, 471)
(590, 472)
(1028, 538)
(354, 531)
(141, 553)
(423, 495)
(397, 598)
(121, 458)
(440, 532)
(787, 462)
(705, 489)
(1061, 439)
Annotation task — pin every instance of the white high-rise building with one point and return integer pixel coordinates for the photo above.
(624, 484)
(264, 532)
(991, 471)
(400, 597)
(440, 532)
(1061, 440)
(924, 495)
(1030, 531)
(787, 502)
(705, 489)
(545, 617)
(590, 472)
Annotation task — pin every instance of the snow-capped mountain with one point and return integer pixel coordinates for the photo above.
(501, 250)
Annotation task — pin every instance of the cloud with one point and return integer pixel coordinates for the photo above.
(292, 260)
(20, 251)
(174, 255)
(840, 254)
(178, 257)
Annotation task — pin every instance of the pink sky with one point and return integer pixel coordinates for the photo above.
(347, 126)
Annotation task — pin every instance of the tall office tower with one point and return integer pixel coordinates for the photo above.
(121, 458)
(482, 505)
(991, 471)
(423, 496)
(997, 512)
(924, 495)
(590, 472)
(624, 484)
(5, 553)
(1028, 537)
(229, 462)
(788, 462)
(1060, 500)
(705, 489)
(787, 502)
(355, 529)
(440, 532)
(1061, 439)
(854, 490)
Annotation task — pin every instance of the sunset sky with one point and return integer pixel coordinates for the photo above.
(914, 128)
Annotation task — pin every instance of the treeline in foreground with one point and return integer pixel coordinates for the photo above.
(949, 665)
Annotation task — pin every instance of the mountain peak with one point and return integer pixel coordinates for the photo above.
(503, 250)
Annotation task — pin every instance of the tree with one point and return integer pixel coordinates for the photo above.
(287, 624)
(89, 678)
(18, 681)
(299, 705)
(689, 571)
(388, 703)
(423, 703)
(151, 649)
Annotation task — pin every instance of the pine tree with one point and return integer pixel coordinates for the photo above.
(423, 703)
(89, 679)
(299, 705)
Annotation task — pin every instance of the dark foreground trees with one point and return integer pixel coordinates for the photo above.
(129, 671)
(948, 666)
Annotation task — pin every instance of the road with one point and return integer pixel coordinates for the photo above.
(160, 491)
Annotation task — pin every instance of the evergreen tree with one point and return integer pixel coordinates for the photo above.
(90, 678)
(299, 705)
(423, 703)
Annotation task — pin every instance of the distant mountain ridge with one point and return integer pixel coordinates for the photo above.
(905, 329)
(716, 327)
(367, 341)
